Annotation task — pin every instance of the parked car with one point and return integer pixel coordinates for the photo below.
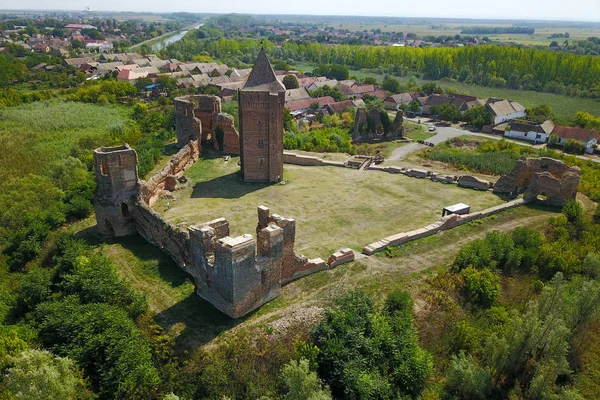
(432, 129)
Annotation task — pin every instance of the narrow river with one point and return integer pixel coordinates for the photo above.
(172, 39)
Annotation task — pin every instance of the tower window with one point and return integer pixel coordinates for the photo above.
(103, 170)
(261, 161)
(125, 210)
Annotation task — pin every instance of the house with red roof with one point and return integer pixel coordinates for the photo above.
(299, 107)
(589, 137)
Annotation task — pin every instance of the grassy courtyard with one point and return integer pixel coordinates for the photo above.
(333, 207)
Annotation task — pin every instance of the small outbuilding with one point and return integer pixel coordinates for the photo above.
(459, 209)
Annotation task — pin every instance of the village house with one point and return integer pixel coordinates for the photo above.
(296, 94)
(589, 137)
(504, 110)
(342, 106)
(396, 101)
(356, 90)
(529, 131)
(78, 62)
(378, 94)
(319, 84)
(436, 100)
(42, 48)
(301, 107)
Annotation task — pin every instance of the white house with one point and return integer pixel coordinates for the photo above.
(530, 131)
(505, 110)
(589, 137)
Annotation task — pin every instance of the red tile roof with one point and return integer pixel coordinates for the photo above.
(580, 134)
(305, 103)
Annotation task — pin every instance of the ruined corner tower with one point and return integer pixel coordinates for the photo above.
(116, 189)
(261, 103)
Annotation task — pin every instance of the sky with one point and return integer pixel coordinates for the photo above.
(572, 10)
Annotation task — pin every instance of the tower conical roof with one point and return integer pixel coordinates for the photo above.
(263, 78)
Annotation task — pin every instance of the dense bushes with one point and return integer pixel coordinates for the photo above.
(103, 92)
(528, 344)
(491, 157)
(81, 309)
(368, 353)
(329, 140)
(573, 147)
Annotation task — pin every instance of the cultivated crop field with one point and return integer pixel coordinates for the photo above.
(333, 207)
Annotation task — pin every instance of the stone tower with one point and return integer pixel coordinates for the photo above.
(116, 189)
(261, 103)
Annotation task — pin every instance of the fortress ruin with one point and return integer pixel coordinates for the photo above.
(239, 274)
(199, 117)
(235, 274)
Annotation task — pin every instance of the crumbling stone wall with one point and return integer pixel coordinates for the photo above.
(167, 237)
(540, 176)
(166, 178)
(235, 274)
(207, 107)
(196, 118)
(368, 126)
(231, 137)
(187, 126)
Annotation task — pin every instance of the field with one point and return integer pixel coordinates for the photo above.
(36, 134)
(333, 207)
(541, 36)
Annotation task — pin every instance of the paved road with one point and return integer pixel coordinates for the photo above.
(445, 133)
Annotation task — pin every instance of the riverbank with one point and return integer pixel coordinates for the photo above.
(159, 42)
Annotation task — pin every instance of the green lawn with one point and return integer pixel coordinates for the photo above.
(333, 207)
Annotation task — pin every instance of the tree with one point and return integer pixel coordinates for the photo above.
(391, 84)
(446, 112)
(301, 383)
(467, 380)
(36, 374)
(478, 117)
(290, 82)
(314, 107)
(481, 286)
(362, 348)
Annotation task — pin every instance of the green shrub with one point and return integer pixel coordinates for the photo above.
(481, 286)
(465, 338)
(325, 140)
(104, 341)
(466, 380)
(365, 353)
(573, 147)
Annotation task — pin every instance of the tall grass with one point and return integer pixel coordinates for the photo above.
(34, 135)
